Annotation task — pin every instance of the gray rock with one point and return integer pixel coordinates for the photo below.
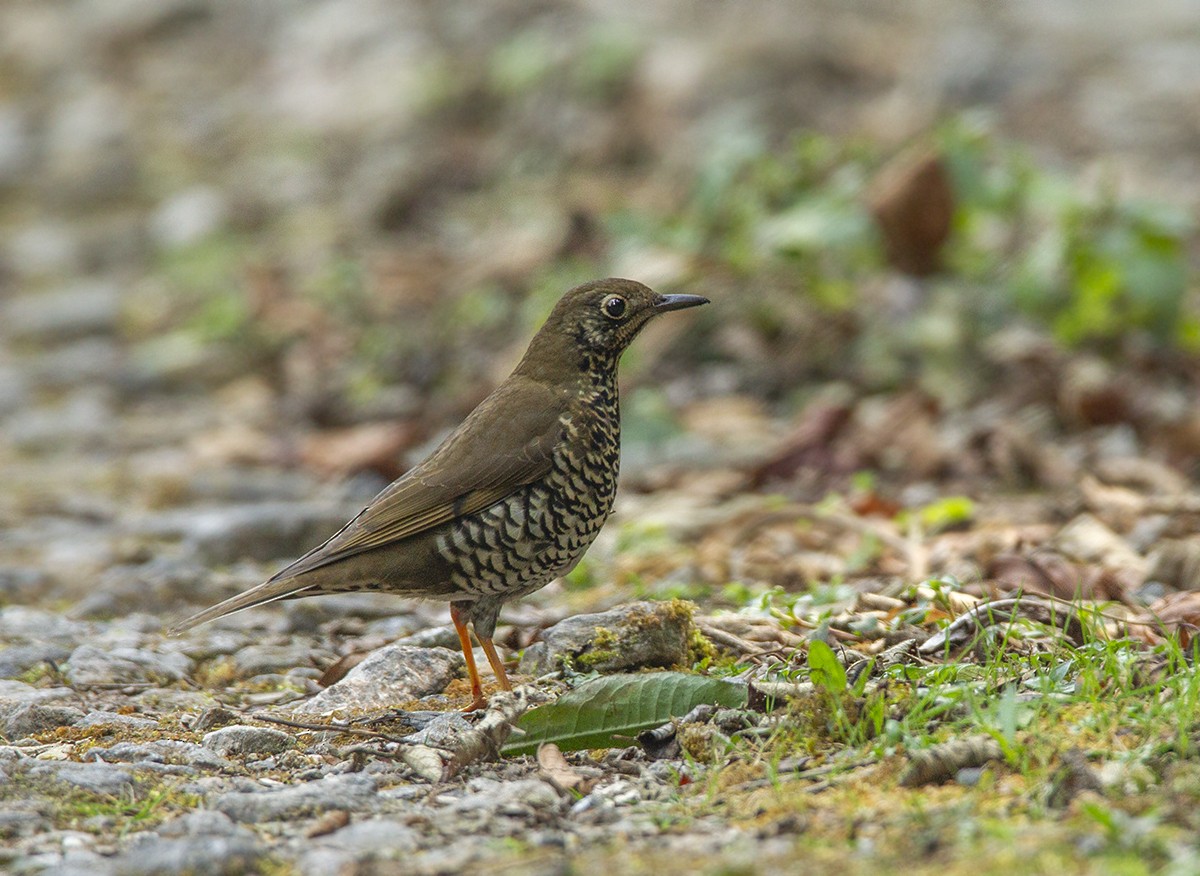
(264, 659)
(361, 840)
(204, 841)
(32, 718)
(169, 361)
(16, 144)
(166, 751)
(87, 307)
(388, 676)
(14, 694)
(188, 217)
(78, 859)
(21, 658)
(443, 731)
(93, 360)
(308, 615)
(256, 531)
(202, 822)
(119, 24)
(516, 798)
(159, 586)
(100, 717)
(45, 249)
(207, 854)
(245, 739)
(16, 823)
(14, 394)
(353, 791)
(431, 637)
(88, 154)
(90, 665)
(96, 778)
(628, 637)
(215, 643)
(159, 700)
(83, 418)
(20, 623)
(310, 88)
(400, 629)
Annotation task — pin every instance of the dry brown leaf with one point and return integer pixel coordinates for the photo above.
(1017, 453)
(810, 445)
(1176, 614)
(1176, 563)
(338, 669)
(878, 602)
(1086, 539)
(1093, 393)
(1118, 505)
(912, 200)
(331, 821)
(1048, 573)
(1142, 474)
(555, 770)
(900, 433)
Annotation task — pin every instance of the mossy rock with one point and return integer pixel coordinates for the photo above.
(634, 636)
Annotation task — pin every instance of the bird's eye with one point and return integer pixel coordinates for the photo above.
(614, 306)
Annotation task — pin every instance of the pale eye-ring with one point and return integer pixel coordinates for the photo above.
(614, 306)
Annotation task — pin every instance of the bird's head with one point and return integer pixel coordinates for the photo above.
(599, 320)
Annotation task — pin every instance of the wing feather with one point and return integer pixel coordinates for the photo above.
(468, 472)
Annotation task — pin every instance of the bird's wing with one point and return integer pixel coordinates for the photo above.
(505, 443)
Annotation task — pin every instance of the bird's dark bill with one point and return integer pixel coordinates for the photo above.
(678, 302)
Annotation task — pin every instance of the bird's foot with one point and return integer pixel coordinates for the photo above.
(478, 704)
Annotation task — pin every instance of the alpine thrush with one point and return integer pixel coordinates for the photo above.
(512, 498)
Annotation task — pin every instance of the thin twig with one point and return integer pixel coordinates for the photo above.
(326, 728)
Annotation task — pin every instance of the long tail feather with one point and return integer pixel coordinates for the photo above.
(268, 591)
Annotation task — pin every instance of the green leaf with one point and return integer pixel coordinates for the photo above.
(824, 668)
(606, 712)
(946, 512)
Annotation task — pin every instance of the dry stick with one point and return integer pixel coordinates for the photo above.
(1010, 606)
(1004, 609)
(729, 640)
(370, 752)
(1076, 605)
(834, 632)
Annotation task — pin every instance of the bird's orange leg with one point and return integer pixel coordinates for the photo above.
(494, 660)
(464, 638)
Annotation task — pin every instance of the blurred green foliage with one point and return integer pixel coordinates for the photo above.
(782, 239)
(1078, 259)
(1081, 260)
(597, 71)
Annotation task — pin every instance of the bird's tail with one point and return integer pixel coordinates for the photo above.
(268, 591)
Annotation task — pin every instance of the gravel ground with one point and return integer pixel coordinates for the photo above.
(144, 474)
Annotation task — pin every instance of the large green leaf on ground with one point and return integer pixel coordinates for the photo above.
(609, 711)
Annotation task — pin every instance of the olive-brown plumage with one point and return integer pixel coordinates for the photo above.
(512, 498)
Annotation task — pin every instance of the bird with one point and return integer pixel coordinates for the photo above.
(511, 499)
